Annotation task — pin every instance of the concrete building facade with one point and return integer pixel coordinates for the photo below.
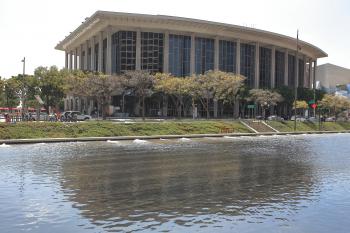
(112, 42)
(329, 76)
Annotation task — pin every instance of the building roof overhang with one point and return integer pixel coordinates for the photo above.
(102, 19)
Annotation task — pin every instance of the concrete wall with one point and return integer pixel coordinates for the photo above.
(330, 76)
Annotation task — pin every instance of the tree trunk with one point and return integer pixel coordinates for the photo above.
(208, 114)
(178, 108)
(264, 113)
(193, 109)
(103, 110)
(236, 108)
(143, 107)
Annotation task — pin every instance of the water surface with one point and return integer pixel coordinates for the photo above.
(246, 184)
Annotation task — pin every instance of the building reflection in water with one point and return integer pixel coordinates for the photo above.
(194, 183)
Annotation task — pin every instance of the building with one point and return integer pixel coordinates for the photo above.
(330, 77)
(113, 42)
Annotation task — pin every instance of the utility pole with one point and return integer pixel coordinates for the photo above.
(296, 82)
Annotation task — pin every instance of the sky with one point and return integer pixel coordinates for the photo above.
(32, 28)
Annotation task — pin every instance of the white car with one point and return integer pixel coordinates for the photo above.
(299, 118)
(75, 115)
(275, 118)
(43, 117)
(2, 118)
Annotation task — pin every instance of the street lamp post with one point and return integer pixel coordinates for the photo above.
(23, 87)
(296, 82)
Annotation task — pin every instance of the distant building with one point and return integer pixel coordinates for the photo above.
(332, 78)
(113, 42)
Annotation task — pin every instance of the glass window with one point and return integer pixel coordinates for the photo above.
(301, 73)
(179, 55)
(291, 70)
(227, 56)
(248, 63)
(265, 68)
(83, 60)
(123, 51)
(104, 55)
(89, 59)
(96, 56)
(152, 51)
(279, 69)
(204, 55)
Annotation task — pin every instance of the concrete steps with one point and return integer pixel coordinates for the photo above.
(258, 126)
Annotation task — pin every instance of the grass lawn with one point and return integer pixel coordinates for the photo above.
(288, 126)
(107, 128)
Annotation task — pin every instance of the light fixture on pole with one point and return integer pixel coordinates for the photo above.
(296, 82)
(23, 88)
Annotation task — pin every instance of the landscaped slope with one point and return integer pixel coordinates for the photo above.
(107, 128)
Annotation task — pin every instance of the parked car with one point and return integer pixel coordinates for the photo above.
(74, 116)
(298, 118)
(2, 118)
(42, 117)
(312, 119)
(330, 119)
(275, 118)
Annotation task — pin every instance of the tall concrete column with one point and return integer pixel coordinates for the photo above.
(76, 59)
(91, 106)
(238, 57)
(286, 67)
(100, 51)
(93, 39)
(70, 60)
(66, 60)
(193, 54)
(257, 65)
(109, 51)
(86, 55)
(273, 67)
(74, 108)
(166, 53)
(138, 50)
(216, 55)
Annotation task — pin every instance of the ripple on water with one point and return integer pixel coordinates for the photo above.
(185, 139)
(238, 185)
(140, 141)
(113, 141)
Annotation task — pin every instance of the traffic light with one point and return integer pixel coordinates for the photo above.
(312, 104)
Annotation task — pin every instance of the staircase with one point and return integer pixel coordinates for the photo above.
(258, 126)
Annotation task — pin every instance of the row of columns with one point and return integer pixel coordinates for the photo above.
(98, 39)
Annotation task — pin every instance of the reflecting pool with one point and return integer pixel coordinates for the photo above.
(245, 184)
